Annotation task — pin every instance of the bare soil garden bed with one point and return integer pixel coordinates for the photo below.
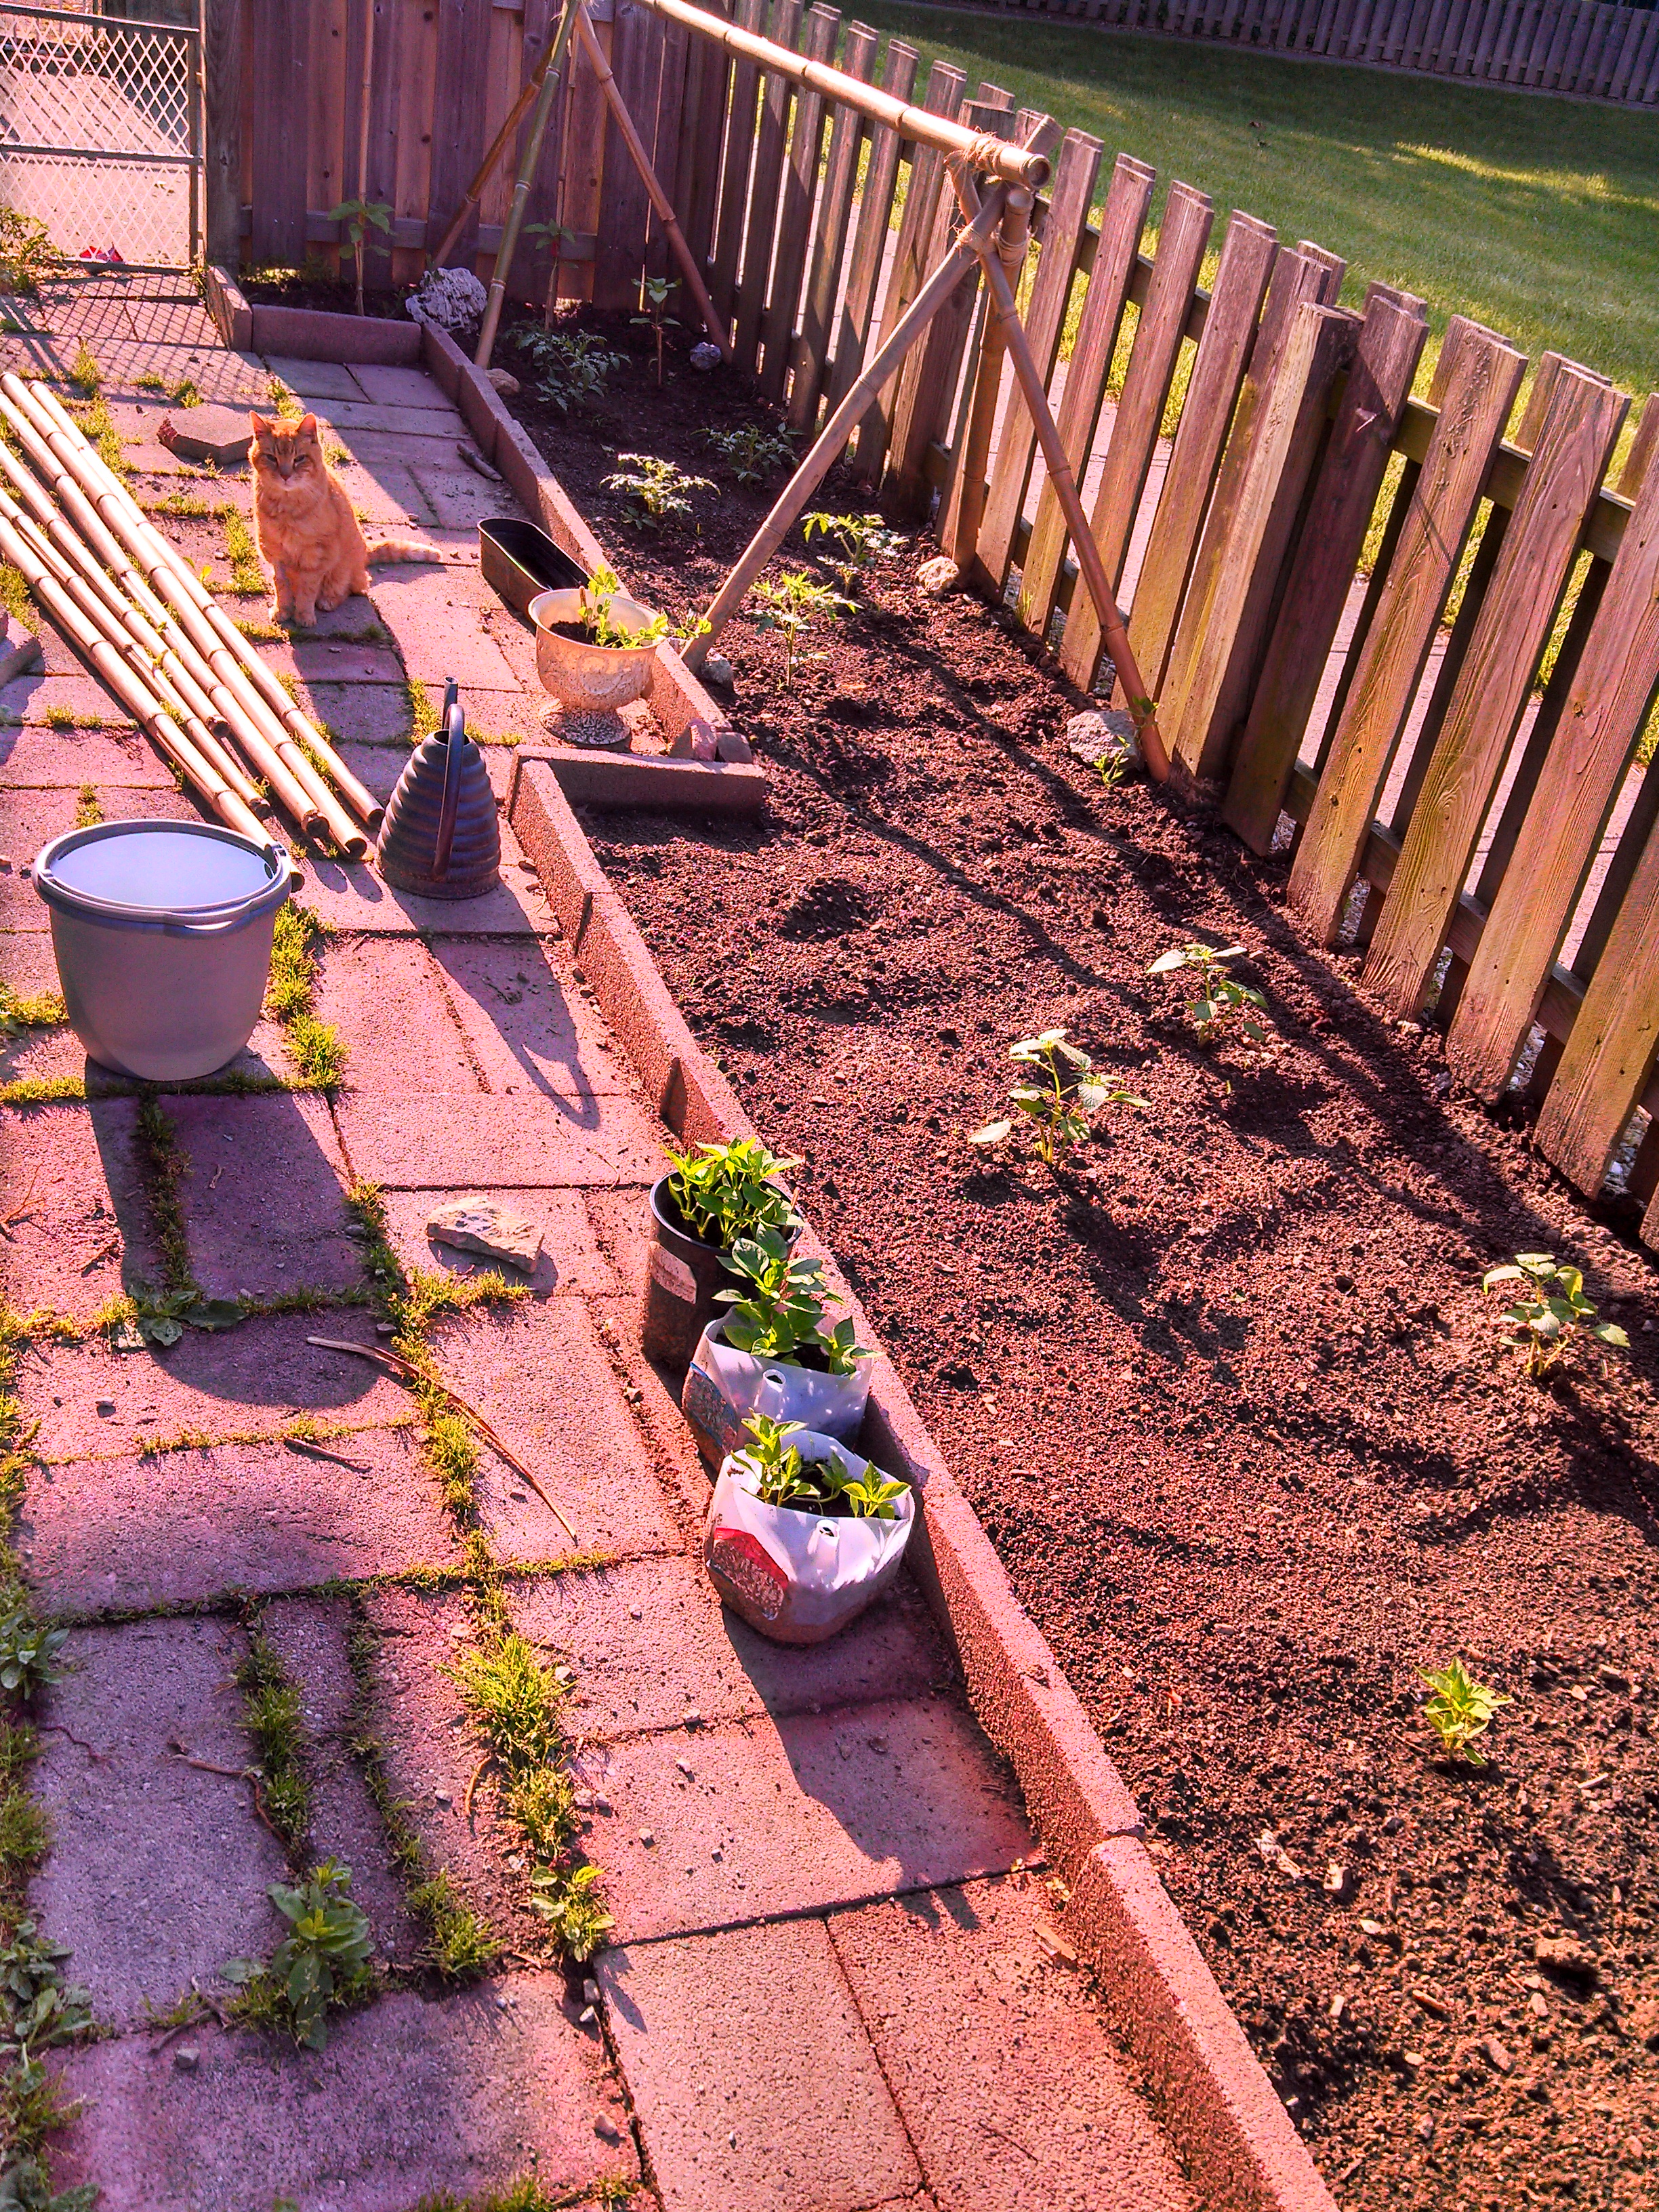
(1224, 1387)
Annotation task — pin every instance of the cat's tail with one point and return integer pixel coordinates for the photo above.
(404, 548)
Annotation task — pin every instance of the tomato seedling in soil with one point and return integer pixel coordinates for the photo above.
(1223, 1386)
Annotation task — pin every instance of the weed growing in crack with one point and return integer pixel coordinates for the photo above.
(46, 1011)
(88, 813)
(322, 1964)
(43, 1090)
(318, 1051)
(248, 578)
(271, 1715)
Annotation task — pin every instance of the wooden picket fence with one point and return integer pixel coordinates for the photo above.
(1587, 47)
(1450, 739)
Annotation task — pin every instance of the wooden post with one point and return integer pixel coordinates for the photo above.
(834, 436)
(222, 69)
(532, 148)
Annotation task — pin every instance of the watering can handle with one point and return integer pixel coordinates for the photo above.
(455, 739)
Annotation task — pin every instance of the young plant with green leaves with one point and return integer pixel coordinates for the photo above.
(598, 597)
(553, 235)
(782, 1478)
(781, 1315)
(863, 540)
(726, 1191)
(1061, 1094)
(790, 604)
(28, 1651)
(754, 453)
(655, 292)
(46, 1011)
(657, 493)
(1460, 1710)
(323, 1962)
(358, 218)
(575, 366)
(1222, 1002)
(1548, 1314)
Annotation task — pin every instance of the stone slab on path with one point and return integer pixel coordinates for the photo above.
(61, 760)
(82, 1231)
(1008, 2084)
(571, 1260)
(158, 1871)
(755, 2081)
(433, 612)
(187, 1527)
(793, 1815)
(467, 2094)
(264, 1196)
(449, 1143)
(386, 998)
(246, 1381)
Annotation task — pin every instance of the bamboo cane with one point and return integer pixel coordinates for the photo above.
(1153, 749)
(364, 105)
(111, 624)
(135, 696)
(660, 199)
(298, 737)
(836, 432)
(995, 157)
(249, 719)
(296, 782)
(67, 552)
(531, 155)
(515, 115)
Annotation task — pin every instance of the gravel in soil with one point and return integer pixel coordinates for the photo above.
(1223, 1387)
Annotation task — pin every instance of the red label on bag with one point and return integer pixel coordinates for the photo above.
(744, 1564)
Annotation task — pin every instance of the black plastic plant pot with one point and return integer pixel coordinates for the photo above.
(681, 1277)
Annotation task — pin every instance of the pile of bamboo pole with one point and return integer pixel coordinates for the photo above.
(130, 603)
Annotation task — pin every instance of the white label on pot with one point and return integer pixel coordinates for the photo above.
(676, 1277)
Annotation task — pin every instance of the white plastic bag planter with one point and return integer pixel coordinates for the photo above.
(162, 932)
(799, 1578)
(723, 1387)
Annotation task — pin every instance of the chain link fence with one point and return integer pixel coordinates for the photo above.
(101, 132)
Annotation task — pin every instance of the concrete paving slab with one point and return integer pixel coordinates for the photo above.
(245, 1382)
(370, 717)
(751, 2075)
(33, 696)
(401, 387)
(184, 1526)
(27, 963)
(537, 1373)
(315, 380)
(338, 659)
(649, 1639)
(387, 999)
(350, 417)
(529, 1030)
(311, 1638)
(387, 496)
(435, 615)
(571, 1262)
(456, 2099)
(459, 497)
(81, 1232)
(1010, 2086)
(158, 1871)
(33, 817)
(404, 449)
(445, 1143)
(263, 1202)
(350, 896)
(791, 1816)
(117, 759)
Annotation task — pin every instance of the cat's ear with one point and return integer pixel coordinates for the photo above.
(261, 427)
(306, 427)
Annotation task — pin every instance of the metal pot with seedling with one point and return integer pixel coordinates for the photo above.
(775, 1351)
(802, 1535)
(712, 1196)
(595, 646)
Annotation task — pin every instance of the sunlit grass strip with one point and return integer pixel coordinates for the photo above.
(318, 1051)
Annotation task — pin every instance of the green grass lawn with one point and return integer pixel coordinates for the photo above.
(1540, 217)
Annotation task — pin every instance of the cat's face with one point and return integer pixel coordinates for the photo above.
(288, 451)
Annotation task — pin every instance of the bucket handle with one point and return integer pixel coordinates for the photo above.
(454, 739)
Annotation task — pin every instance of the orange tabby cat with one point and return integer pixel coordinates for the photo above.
(308, 534)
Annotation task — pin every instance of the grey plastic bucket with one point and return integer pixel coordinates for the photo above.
(162, 932)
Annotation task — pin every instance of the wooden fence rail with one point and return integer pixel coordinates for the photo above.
(1451, 745)
(1590, 48)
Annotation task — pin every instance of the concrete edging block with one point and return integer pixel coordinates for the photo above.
(315, 334)
(233, 318)
(727, 789)
(1212, 2093)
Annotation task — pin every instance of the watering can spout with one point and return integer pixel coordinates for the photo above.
(439, 837)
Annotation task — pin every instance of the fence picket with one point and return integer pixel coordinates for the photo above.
(765, 188)
(1073, 193)
(800, 182)
(1332, 537)
(1477, 377)
(279, 55)
(1182, 238)
(1580, 424)
(1248, 257)
(739, 153)
(829, 243)
(869, 235)
(1127, 198)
